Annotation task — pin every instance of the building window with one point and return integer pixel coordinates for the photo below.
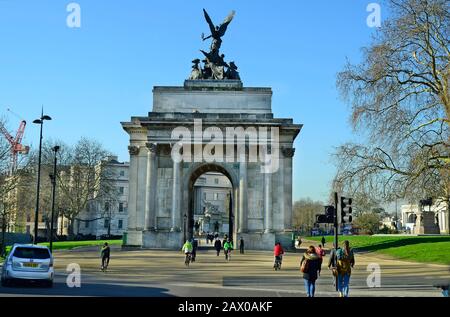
(122, 173)
(28, 218)
(121, 190)
(204, 196)
(86, 224)
(216, 181)
(120, 207)
(216, 196)
(28, 229)
(120, 224)
(107, 206)
(106, 224)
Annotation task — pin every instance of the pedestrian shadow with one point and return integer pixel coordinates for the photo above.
(87, 289)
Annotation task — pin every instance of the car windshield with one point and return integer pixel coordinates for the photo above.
(31, 253)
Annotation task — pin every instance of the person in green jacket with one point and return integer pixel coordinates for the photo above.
(228, 246)
(187, 249)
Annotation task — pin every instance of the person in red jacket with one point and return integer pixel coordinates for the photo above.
(278, 253)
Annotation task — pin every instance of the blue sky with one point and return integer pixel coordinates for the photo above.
(92, 78)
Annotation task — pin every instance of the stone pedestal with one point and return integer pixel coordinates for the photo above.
(426, 223)
(162, 240)
(134, 238)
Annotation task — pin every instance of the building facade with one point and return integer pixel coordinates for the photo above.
(106, 216)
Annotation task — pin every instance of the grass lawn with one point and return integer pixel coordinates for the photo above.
(419, 249)
(68, 245)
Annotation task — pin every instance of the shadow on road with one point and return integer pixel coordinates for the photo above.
(87, 289)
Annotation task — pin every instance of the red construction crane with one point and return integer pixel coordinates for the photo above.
(16, 143)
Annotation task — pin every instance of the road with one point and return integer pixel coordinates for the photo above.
(162, 273)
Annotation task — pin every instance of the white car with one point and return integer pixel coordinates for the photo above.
(28, 262)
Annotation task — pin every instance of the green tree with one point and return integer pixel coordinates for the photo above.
(369, 222)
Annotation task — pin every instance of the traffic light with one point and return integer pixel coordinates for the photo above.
(346, 210)
(321, 219)
(328, 217)
(330, 213)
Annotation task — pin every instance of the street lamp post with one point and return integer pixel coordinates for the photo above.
(53, 179)
(36, 214)
(184, 227)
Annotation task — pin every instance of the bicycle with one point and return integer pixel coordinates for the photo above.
(277, 264)
(187, 259)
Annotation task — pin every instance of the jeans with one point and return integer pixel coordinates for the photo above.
(310, 287)
(343, 284)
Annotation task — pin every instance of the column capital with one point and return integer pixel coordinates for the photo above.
(288, 151)
(152, 147)
(133, 150)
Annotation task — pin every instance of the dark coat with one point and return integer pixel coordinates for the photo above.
(218, 245)
(313, 267)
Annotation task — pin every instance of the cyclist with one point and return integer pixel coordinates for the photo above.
(278, 253)
(227, 247)
(187, 249)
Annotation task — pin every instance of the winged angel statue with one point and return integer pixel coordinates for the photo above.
(214, 63)
(217, 32)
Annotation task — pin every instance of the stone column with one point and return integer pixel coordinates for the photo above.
(141, 199)
(150, 194)
(132, 192)
(288, 154)
(268, 223)
(243, 203)
(176, 197)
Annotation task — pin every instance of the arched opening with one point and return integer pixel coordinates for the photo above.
(211, 193)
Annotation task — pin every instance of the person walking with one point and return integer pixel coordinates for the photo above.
(320, 253)
(309, 266)
(228, 247)
(323, 241)
(278, 252)
(241, 245)
(332, 263)
(105, 255)
(345, 263)
(218, 246)
(194, 249)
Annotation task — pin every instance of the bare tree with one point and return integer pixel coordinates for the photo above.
(400, 107)
(304, 213)
(83, 179)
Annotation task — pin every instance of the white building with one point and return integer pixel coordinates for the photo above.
(212, 202)
(107, 216)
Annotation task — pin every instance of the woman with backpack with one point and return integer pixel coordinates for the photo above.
(309, 266)
(344, 265)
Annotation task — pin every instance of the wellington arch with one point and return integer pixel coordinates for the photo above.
(210, 124)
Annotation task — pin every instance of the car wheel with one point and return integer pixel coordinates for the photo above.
(5, 282)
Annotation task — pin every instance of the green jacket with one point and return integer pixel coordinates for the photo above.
(188, 247)
(228, 246)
